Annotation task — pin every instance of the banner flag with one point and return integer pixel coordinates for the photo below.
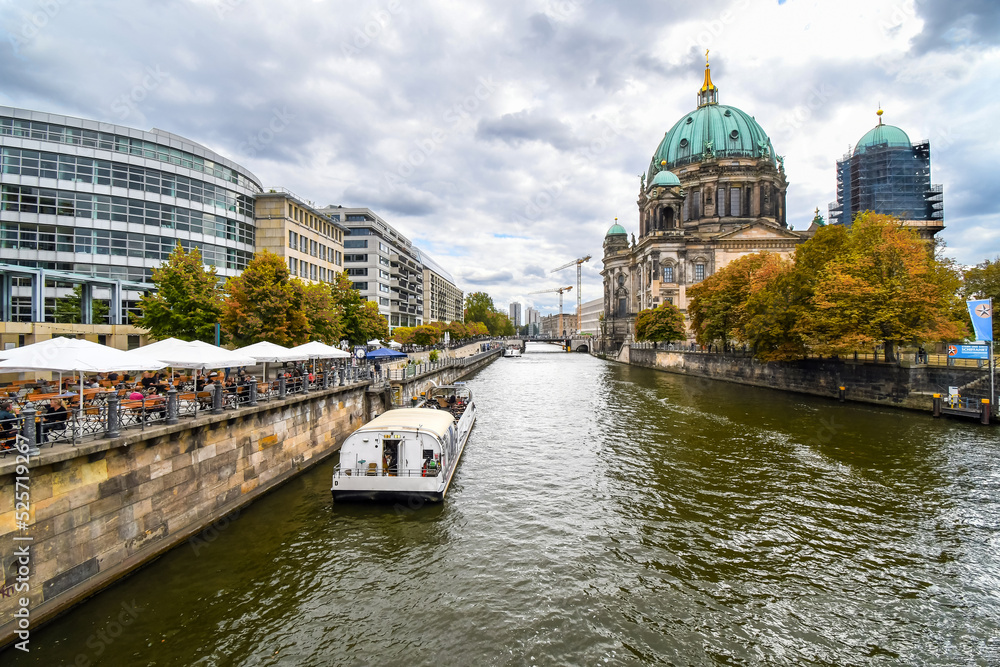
(982, 318)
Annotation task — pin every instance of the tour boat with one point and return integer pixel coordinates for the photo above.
(408, 453)
(512, 351)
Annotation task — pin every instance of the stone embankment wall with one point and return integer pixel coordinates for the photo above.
(101, 509)
(883, 384)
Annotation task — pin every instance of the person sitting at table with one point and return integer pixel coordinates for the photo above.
(147, 380)
(113, 376)
(53, 419)
(136, 395)
(43, 387)
(157, 407)
(8, 426)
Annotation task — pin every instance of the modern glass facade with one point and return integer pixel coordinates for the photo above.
(84, 197)
(78, 194)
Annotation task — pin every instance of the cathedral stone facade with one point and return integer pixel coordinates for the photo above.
(714, 191)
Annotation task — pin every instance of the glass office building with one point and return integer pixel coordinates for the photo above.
(88, 198)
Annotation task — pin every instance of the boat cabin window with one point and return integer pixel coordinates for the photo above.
(428, 454)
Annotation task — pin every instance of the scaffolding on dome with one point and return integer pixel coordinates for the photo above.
(887, 179)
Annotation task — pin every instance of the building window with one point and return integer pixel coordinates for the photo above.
(313, 248)
(293, 265)
(303, 244)
(383, 288)
(734, 202)
(313, 271)
(668, 274)
(337, 259)
(350, 257)
(383, 301)
(360, 286)
(133, 341)
(356, 243)
(699, 272)
(293, 240)
(357, 272)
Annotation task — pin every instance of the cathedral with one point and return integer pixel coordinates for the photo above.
(714, 191)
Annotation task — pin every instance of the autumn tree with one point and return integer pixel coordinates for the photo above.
(425, 334)
(717, 305)
(187, 301)
(663, 324)
(983, 282)
(457, 330)
(886, 287)
(325, 322)
(403, 335)
(263, 303)
(69, 310)
(781, 293)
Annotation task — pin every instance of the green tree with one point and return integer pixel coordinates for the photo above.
(350, 304)
(403, 335)
(68, 309)
(187, 302)
(887, 287)
(983, 282)
(262, 303)
(372, 324)
(663, 324)
(325, 322)
(478, 306)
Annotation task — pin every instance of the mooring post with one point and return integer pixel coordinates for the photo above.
(984, 411)
(28, 429)
(843, 394)
(253, 394)
(281, 387)
(217, 399)
(936, 410)
(172, 406)
(111, 424)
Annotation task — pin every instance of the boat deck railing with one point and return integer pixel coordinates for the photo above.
(372, 470)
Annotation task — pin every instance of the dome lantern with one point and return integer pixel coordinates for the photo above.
(708, 94)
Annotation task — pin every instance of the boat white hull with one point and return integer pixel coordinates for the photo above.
(395, 488)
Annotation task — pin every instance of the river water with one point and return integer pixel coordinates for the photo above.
(602, 514)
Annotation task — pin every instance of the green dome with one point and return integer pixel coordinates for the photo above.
(665, 178)
(883, 135)
(616, 229)
(732, 133)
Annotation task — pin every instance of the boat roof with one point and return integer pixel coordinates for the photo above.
(410, 419)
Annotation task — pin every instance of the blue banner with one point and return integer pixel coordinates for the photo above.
(982, 318)
(969, 351)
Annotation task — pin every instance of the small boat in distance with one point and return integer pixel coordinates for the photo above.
(512, 351)
(409, 452)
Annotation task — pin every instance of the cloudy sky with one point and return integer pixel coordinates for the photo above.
(504, 138)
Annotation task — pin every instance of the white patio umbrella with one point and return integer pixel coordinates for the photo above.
(76, 356)
(375, 341)
(191, 354)
(318, 350)
(394, 345)
(265, 352)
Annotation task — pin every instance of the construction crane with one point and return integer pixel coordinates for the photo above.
(579, 287)
(560, 290)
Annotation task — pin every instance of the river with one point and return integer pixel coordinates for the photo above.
(602, 515)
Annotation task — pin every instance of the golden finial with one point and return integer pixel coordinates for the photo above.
(879, 113)
(708, 75)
